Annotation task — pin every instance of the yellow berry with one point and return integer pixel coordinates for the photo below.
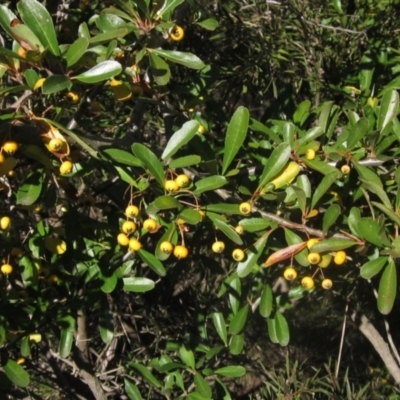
(325, 261)
(66, 167)
(56, 145)
(177, 33)
(150, 225)
(134, 245)
(218, 247)
(290, 274)
(340, 257)
(20, 360)
(327, 284)
(10, 147)
(245, 208)
(122, 239)
(310, 154)
(53, 279)
(6, 269)
(166, 247)
(72, 97)
(171, 186)
(345, 169)
(55, 245)
(239, 229)
(131, 211)
(307, 282)
(314, 258)
(128, 227)
(201, 130)
(35, 337)
(5, 223)
(182, 180)
(311, 242)
(238, 255)
(181, 252)
(2, 158)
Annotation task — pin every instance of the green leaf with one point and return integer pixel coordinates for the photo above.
(254, 224)
(76, 51)
(275, 164)
(153, 262)
(358, 132)
(180, 138)
(210, 24)
(370, 231)
(226, 229)
(16, 374)
(220, 327)
(310, 135)
(25, 346)
(210, 183)
(36, 153)
(320, 166)
(146, 374)
(266, 302)
(26, 34)
(106, 37)
(39, 20)
(302, 112)
(132, 390)
(30, 190)
(160, 69)
(166, 202)
(272, 330)
(389, 108)
(150, 160)
(330, 217)
(55, 84)
(187, 59)
(235, 136)
(187, 357)
(231, 371)
(190, 216)
(332, 244)
(138, 285)
(6, 17)
(373, 267)
(66, 341)
(388, 211)
(186, 161)
(122, 157)
(282, 329)
(253, 253)
(223, 208)
(168, 7)
(106, 322)
(236, 344)
(202, 386)
(378, 190)
(125, 176)
(234, 294)
(239, 320)
(353, 219)
(109, 283)
(169, 235)
(100, 72)
(387, 288)
(366, 174)
(324, 186)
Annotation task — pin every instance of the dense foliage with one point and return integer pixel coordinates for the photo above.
(199, 199)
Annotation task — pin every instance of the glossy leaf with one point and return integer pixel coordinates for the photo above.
(160, 69)
(223, 208)
(76, 51)
(202, 386)
(271, 323)
(210, 24)
(373, 267)
(146, 374)
(180, 138)
(282, 329)
(266, 301)
(132, 390)
(330, 217)
(185, 161)
(30, 190)
(231, 371)
(275, 164)
(187, 59)
(234, 294)
(55, 84)
(388, 211)
(106, 322)
(358, 132)
(138, 285)
(6, 17)
(168, 7)
(106, 37)
(252, 255)
(332, 244)
(254, 224)
(239, 320)
(16, 373)
(320, 166)
(236, 344)
(187, 357)
(387, 288)
(389, 108)
(310, 135)
(226, 229)
(66, 341)
(353, 219)
(150, 160)
(153, 262)
(192, 217)
(235, 136)
(101, 72)
(122, 157)
(25, 347)
(165, 203)
(324, 186)
(302, 112)
(220, 326)
(370, 231)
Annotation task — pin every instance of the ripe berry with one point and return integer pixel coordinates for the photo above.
(340, 257)
(122, 239)
(56, 145)
(134, 245)
(245, 208)
(150, 225)
(181, 252)
(6, 269)
(345, 169)
(311, 242)
(218, 247)
(66, 167)
(310, 154)
(327, 284)
(171, 186)
(182, 180)
(314, 258)
(128, 227)
(10, 147)
(238, 255)
(201, 129)
(239, 229)
(177, 33)
(2, 158)
(52, 279)
(131, 211)
(72, 97)
(307, 282)
(5, 223)
(166, 247)
(290, 274)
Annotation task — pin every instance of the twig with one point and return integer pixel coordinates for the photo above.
(341, 341)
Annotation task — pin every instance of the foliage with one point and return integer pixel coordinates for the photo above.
(136, 136)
